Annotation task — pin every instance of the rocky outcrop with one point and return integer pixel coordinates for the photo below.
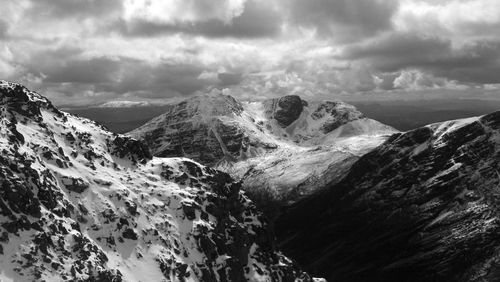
(78, 203)
(132, 149)
(421, 207)
(77, 185)
(285, 110)
(337, 114)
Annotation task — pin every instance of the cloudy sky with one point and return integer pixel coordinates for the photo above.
(80, 52)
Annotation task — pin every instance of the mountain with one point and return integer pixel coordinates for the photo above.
(78, 203)
(423, 206)
(282, 149)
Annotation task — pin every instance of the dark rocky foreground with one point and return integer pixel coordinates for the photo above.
(424, 206)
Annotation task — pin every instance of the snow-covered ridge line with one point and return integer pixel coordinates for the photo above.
(79, 203)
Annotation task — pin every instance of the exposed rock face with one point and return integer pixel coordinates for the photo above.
(282, 149)
(421, 207)
(196, 128)
(78, 203)
(128, 147)
(286, 110)
(77, 185)
(337, 113)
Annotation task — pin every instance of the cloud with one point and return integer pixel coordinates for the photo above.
(98, 50)
(344, 20)
(399, 50)
(95, 71)
(179, 78)
(385, 81)
(414, 79)
(64, 9)
(71, 72)
(255, 20)
(7, 70)
(4, 28)
(460, 20)
(227, 79)
(177, 11)
(475, 62)
(126, 76)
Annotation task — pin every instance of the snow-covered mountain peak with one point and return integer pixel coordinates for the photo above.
(313, 123)
(255, 127)
(284, 110)
(210, 105)
(79, 203)
(286, 146)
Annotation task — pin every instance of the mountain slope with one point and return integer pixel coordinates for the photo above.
(421, 207)
(78, 203)
(282, 149)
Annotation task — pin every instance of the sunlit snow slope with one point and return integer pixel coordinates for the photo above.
(78, 203)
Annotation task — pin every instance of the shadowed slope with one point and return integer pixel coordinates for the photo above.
(421, 207)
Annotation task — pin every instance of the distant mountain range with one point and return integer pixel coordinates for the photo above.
(282, 149)
(404, 115)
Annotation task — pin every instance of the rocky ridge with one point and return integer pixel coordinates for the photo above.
(78, 203)
(423, 206)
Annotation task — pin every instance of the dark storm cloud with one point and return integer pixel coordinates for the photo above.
(121, 75)
(112, 76)
(180, 78)
(227, 79)
(74, 8)
(396, 51)
(256, 21)
(4, 28)
(344, 19)
(480, 28)
(98, 70)
(387, 80)
(48, 62)
(476, 62)
(145, 80)
(157, 81)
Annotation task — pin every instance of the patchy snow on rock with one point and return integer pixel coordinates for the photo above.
(78, 203)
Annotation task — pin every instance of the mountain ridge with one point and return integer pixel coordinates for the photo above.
(420, 207)
(283, 149)
(79, 203)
